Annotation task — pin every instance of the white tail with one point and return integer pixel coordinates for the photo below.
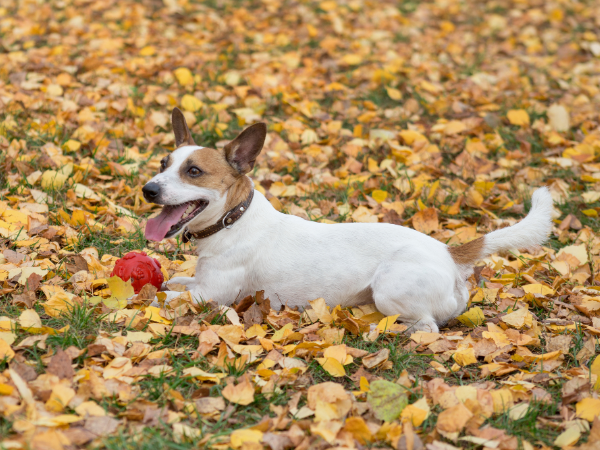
(532, 231)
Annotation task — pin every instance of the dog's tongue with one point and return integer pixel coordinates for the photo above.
(158, 227)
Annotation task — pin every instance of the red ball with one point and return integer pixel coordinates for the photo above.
(140, 268)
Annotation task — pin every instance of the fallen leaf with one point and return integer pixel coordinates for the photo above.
(387, 399)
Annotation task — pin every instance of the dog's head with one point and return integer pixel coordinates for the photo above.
(197, 185)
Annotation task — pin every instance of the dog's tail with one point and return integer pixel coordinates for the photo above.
(532, 231)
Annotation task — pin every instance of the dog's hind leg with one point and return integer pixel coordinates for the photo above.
(422, 295)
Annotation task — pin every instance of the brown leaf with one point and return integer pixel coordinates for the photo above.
(426, 221)
(25, 371)
(210, 405)
(78, 435)
(27, 299)
(575, 389)
(148, 292)
(76, 263)
(277, 441)
(33, 282)
(243, 304)
(561, 342)
(13, 257)
(60, 365)
(392, 216)
(252, 315)
(375, 359)
(101, 426)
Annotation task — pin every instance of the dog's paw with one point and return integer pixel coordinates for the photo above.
(170, 296)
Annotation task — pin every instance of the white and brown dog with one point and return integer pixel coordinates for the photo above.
(245, 245)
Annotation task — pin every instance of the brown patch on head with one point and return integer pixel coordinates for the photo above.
(214, 170)
(215, 173)
(467, 253)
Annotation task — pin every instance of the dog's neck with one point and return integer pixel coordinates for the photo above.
(238, 192)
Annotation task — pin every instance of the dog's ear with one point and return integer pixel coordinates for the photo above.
(180, 128)
(241, 153)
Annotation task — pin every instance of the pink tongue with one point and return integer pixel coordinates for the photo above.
(158, 227)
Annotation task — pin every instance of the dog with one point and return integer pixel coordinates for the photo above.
(245, 244)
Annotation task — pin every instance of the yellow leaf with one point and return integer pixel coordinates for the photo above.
(518, 117)
(465, 356)
(364, 384)
(568, 437)
(359, 429)
(590, 212)
(519, 319)
(184, 76)
(153, 313)
(393, 93)
(139, 336)
(373, 166)
(332, 366)
(191, 103)
(114, 303)
(72, 145)
(411, 136)
(352, 59)
(578, 251)
(416, 413)
(8, 336)
(362, 214)
(246, 435)
(242, 393)
(59, 398)
(51, 179)
(148, 50)
(117, 367)
(327, 429)
(588, 408)
(537, 289)
(201, 375)
(29, 318)
(255, 331)
(60, 303)
(5, 351)
(503, 400)
(322, 310)
(595, 370)
(484, 187)
(387, 322)
(338, 352)
(6, 389)
(90, 408)
(472, 318)
(379, 195)
(121, 290)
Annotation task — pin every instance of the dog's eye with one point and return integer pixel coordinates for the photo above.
(194, 171)
(163, 164)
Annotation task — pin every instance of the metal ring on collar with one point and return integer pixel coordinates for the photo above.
(223, 221)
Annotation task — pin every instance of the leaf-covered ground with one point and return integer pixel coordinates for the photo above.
(442, 116)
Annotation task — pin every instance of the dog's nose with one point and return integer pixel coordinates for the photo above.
(151, 191)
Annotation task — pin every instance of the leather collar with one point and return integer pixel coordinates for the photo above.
(226, 221)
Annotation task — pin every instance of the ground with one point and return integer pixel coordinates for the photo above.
(442, 116)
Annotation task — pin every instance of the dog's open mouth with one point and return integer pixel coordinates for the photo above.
(172, 218)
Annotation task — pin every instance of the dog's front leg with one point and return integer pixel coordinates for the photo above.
(188, 282)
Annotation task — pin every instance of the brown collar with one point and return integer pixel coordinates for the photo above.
(228, 219)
